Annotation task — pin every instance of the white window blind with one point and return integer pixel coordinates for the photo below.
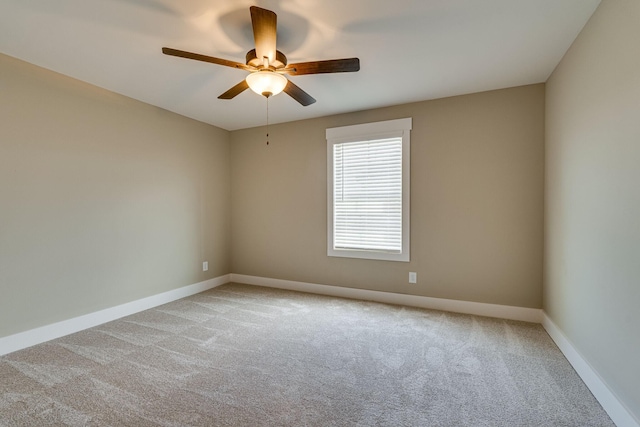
(368, 195)
(368, 190)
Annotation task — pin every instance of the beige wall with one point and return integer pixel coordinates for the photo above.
(476, 207)
(103, 199)
(106, 200)
(592, 249)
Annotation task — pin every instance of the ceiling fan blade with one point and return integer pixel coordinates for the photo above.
(348, 65)
(205, 58)
(264, 24)
(298, 94)
(235, 91)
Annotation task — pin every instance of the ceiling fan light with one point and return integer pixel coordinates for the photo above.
(266, 83)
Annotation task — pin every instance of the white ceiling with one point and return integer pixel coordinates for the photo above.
(409, 50)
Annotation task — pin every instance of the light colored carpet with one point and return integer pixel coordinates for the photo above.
(242, 355)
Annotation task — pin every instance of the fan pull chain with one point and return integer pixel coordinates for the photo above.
(267, 120)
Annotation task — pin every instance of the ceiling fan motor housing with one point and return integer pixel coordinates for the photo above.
(279, 62)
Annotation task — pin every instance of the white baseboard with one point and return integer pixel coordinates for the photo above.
(611, 404)
(620, 415)
(481, 309)
(42, 334)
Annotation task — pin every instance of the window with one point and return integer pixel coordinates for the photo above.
(368, 190)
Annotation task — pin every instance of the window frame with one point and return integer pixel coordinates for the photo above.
(371, 132)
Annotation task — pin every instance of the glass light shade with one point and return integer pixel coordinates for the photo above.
(266, 83)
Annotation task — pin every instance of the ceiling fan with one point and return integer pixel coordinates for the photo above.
(267, 66)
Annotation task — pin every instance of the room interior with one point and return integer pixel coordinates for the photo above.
(524, 197)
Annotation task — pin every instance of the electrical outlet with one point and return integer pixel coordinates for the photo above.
(205, 266)
(413, 277)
